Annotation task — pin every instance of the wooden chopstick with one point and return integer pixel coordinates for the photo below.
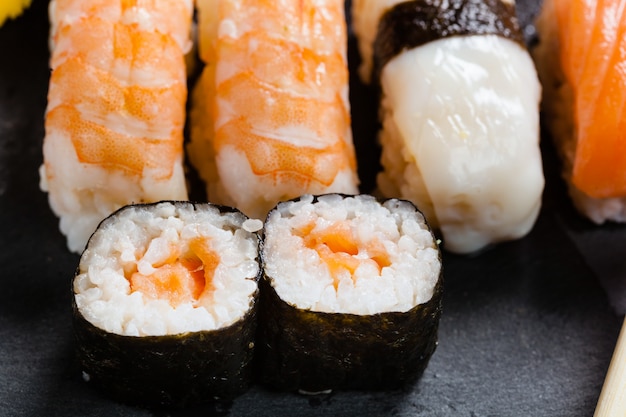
(612, 401)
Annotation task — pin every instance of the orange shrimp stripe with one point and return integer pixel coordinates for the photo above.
(269, 108)
(302, 70)
(95, 144)
(95, 91)
(121, 49)
(318, 26)
(166, 16)
(278, 159)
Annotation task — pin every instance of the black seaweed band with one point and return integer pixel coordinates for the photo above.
(175, 370)
(301, 349)
(168, 371)
(414, 23)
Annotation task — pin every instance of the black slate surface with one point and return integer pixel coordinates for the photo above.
(527, 328)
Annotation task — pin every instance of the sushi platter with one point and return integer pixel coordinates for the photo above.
(527, 326)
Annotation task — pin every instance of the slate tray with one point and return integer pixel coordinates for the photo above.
(527, 328)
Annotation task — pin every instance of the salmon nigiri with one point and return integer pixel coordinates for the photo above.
(581, 62)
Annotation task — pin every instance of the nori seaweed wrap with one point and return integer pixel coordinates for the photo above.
(411, 24)
(164, 304)
(351, 294)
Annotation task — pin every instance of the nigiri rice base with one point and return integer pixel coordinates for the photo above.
(302, 278)
(140, 239)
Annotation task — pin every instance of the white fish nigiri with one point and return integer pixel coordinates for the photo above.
(460, 117)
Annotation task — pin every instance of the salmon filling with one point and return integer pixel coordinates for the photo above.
(180, 279)
(337, 246)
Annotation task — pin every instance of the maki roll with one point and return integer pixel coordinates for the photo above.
(580, 59)
(459, 109)
(164, 303)
(351, 294)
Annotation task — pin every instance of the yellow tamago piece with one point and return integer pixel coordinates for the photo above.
(12, 9)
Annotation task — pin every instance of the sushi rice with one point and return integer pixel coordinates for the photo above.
(300, 276)
(140, 239)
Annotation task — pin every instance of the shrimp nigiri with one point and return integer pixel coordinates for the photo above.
(581, 60)
(116, 108)
(271, 118)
